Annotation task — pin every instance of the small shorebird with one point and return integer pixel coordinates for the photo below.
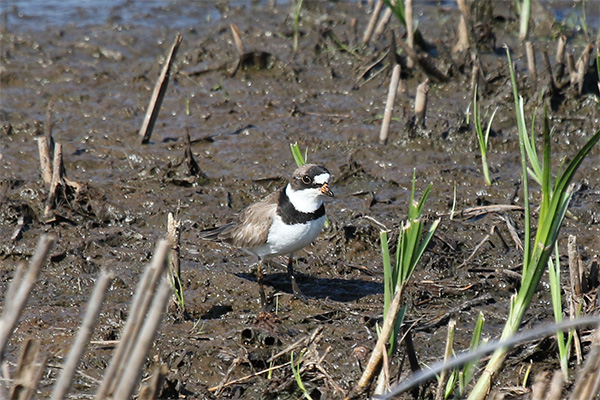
(282, 223)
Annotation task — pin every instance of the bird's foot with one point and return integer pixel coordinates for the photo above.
(297, 292)
(266, 304)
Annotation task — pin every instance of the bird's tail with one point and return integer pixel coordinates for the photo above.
(214, 234)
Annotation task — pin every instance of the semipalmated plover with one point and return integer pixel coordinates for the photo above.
(282, 223)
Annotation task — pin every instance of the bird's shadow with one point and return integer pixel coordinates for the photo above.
(342, 290)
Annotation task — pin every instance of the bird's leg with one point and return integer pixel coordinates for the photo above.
(261, 288)
(297, 293)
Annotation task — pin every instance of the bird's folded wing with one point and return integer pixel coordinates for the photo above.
(252, 229)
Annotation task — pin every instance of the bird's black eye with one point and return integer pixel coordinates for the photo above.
(307, 179)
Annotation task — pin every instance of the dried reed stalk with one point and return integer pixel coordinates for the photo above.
(556, 386)
(575, 275)
(29, 371)
(421, 102)
(46, 146)
(462, 41)
(525, 18)
(371, 26)
(14, 305)
(389, 104)
(475, 59)
(581, 66)
(466, 13)
(383, 379)
(540, 385)
(57, 174)
(571, 69)
(384, 337)
(531, 60)
(151, 389)
(441, 388)
(559, 60)
(129, 378)
(548, 67)
(83, 336)
(173, 236)
(45, 157)
(410, 31)
(575, 267)
(474, 77)
(560, 49)
(587, 382)
(138, 309)
(237, 38)
(59, 179)
(354, 30)
(14, 285)
(383, 21)
(159, 93)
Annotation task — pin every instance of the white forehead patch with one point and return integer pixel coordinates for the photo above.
(321, 179)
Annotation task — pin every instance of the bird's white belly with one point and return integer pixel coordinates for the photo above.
(286, 239)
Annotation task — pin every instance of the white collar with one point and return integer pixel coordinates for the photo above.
(305, 200)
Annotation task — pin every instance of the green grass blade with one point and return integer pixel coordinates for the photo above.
(489, 127)
(522, 131)
(398, 10)
(529, 143)
(421, 204)
(412, 210)
(469, 368)
(399, 251)
(297, 25)
(477, 331)
(408, 247)
(524, 22)
(555, 203)
(482, 137)
(388, 281)
(554, 277)
(522, 138)
(297, 154)
(396, 331)
(546, 164)
(532, 151)
(452, 381)
(296, 373)
(477, 121)
(543, 246)
(425, 242)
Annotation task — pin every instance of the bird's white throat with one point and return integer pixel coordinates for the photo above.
(305, 200)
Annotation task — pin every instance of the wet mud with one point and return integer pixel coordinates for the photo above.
(99, 76)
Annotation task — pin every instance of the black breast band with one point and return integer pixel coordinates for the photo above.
(290, 215)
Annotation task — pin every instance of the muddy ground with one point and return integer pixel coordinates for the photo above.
(98, 65)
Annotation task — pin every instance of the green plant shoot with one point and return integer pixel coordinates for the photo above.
(408, 253)
(482, 137)
(564, 346)
(300, 160)
(463, 376)
(297, 25)
(296, 372)
(554, 203)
